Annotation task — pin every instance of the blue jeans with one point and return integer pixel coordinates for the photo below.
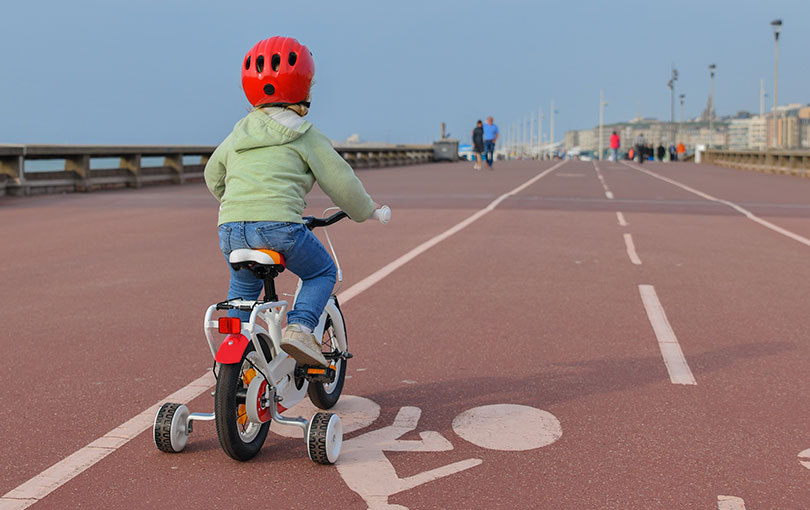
(489, 149)
(304, 255)
(614, 153)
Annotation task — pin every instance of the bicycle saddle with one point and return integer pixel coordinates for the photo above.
(257, 260)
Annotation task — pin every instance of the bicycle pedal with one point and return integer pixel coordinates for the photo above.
(318, 374)
(338, 355)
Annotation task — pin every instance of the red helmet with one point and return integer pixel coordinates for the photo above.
(278, 70)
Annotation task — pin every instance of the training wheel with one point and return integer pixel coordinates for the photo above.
(324, 438)
(171, 430)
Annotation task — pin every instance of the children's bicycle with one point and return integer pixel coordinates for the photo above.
(255, 379)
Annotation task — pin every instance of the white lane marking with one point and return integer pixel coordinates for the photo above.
(608, 193)
(65, 470)
(804, 458)
(631, 249)
(745, 212)
(508, 427)
(620, 217)
(730, 503)
(381, 273)
(679, 372)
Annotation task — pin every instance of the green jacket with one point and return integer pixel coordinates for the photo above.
(263, 170)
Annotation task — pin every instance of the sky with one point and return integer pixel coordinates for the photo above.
(167, 72)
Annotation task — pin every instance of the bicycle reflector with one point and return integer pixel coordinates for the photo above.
(230, 325)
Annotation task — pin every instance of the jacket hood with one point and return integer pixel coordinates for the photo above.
(258, 130)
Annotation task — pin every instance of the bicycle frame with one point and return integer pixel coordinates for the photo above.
(279, 371)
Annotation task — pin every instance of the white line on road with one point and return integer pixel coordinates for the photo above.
(621, 219)
(65, 470)
(608, 193)
(631, 250)
(381, 273)
(730, 503)
(679, 372)
(748, 214)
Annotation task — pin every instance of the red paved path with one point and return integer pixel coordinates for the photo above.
(536, 304)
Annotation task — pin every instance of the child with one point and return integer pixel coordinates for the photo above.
(260, 174)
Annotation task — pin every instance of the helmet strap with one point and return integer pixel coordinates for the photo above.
(267, 105)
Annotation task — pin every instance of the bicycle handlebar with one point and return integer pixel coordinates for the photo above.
(383, 215)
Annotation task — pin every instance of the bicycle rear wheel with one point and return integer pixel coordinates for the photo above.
(239, 437)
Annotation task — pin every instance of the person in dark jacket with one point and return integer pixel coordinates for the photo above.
(641, 148)
(478, 143)
(661, 152)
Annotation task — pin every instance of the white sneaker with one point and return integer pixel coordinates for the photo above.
(303, 347)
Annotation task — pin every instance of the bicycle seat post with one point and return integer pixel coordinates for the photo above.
(270, 285)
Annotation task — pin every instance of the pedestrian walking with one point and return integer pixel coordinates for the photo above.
(673, 155)
(661, 152)
(490, 137)
(681, 150)
(615, 143)
(641, 148)
(478, 143)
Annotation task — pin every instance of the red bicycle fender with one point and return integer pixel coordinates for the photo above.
(231, 349)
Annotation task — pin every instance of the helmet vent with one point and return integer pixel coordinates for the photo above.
(292, 58)
(269, 89)
(260, 63)
(247, 63)
(275, 62)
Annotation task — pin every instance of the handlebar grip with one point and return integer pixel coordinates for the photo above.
(383, 214)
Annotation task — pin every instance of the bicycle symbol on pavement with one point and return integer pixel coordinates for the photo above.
(368, 472)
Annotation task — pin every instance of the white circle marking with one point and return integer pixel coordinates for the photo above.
(507, 427)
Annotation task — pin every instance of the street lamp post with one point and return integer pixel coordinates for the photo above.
(671, 86)
(712, 67)
(540, 133)
(680, 124)
(602, 104)
(777, 27)
(551, 129)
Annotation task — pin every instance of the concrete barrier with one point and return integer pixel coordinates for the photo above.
(170, 165)
(785, 162)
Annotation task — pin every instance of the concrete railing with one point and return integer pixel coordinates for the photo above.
(785, 162)
(88, 167)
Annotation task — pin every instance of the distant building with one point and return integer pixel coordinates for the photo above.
(784, 128)
(758, 133)
(738, 133)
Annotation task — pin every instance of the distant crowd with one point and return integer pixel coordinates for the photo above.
(641, 150)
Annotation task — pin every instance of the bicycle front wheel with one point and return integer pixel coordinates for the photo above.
(326, 395)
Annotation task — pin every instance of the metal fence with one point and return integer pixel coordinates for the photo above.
(89, 167)
(772, 162)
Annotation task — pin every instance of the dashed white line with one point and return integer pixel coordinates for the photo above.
(679, 372)
(68, 468)
(748, 214)
(608, 193)
(631, 249)
(620, 217)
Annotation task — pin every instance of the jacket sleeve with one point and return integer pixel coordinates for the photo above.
(336, 178)
(215, 173)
